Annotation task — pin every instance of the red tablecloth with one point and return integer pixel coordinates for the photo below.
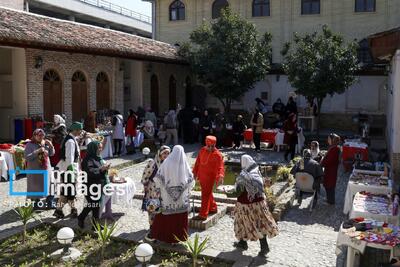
(350, 152)
(267, 136)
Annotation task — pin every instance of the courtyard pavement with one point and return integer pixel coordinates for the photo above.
(305, 239)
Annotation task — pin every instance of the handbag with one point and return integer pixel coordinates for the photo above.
(151, 204)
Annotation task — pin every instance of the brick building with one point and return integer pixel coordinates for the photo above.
(52, 66)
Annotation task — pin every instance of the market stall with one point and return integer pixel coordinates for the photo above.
(267, 136)
(370, 181)
(358, 234)
(351, 148)
(377, 207)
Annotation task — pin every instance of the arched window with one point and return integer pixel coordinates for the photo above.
(177, 10)
(79, 96)
(52, 94)
(217, 7)
(261, 8)
(102, 91)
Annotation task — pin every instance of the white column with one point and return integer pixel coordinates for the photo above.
(395, 131)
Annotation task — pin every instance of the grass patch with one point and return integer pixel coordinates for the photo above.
(41, 242)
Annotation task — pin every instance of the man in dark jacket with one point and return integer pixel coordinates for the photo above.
(310, 166)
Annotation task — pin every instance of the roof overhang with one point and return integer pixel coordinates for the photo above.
(384, 45)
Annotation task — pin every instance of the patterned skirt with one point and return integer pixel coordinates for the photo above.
(254, 221)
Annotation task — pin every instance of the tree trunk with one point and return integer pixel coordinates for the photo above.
(222, 102)
(320, 100)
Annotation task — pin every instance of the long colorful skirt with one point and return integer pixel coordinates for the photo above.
(254, 221)
(169, 228)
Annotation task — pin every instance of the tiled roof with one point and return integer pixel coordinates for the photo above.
(384, 45)
(29, 30)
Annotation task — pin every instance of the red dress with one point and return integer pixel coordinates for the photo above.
(130, 128)
(331, 165)
(287, 127)
(166, 228)
(208, 169)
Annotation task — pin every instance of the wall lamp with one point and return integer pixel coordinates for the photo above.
(38, 62)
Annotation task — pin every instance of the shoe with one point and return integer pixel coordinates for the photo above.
(59, 214)
(74, 213)
(81, 223)
(264, 247)
(199, 218)
(241, 245)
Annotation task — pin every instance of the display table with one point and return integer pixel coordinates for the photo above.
(279, 138)
(107, 147)
(350, 149)
(377, 207)
(267, 136)
(356, 241)
(311, 118)
(9, 161)
(120, 193)
(3, 168)
(368, 181)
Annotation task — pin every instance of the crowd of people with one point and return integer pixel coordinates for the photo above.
(168, 178)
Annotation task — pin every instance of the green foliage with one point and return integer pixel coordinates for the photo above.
(228, 56)
(319, 65)
(104, 234)
(283, 173)
(270, 198)
(174, 260)
(25, 213)
(195, 247)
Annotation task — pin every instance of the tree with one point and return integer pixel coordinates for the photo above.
(319, 65)
(228, 56)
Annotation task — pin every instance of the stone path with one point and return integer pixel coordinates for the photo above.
(305, 239)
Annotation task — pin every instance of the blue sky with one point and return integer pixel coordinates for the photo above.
(135, 5)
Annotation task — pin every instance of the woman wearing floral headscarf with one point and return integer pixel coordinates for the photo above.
(174, 180)
(37, 153)
(150, 191)
(253, 221)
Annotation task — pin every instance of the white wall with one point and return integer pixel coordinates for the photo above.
(393, 107)
(367, 95)
(18, 94)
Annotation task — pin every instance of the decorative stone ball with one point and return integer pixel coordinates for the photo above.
(65, 235)
(146, 151)
(144, 252)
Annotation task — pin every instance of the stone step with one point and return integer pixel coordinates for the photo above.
(284, 202)
(211, 220)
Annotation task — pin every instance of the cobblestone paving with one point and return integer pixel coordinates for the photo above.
(305, 239)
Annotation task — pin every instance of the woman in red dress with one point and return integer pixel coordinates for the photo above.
(174, 180)
(130, 128)
(331, 164)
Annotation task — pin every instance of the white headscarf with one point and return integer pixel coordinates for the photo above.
(149, 128)
(58, 122)
(251, 178)
(315, 152)
(175, 179)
